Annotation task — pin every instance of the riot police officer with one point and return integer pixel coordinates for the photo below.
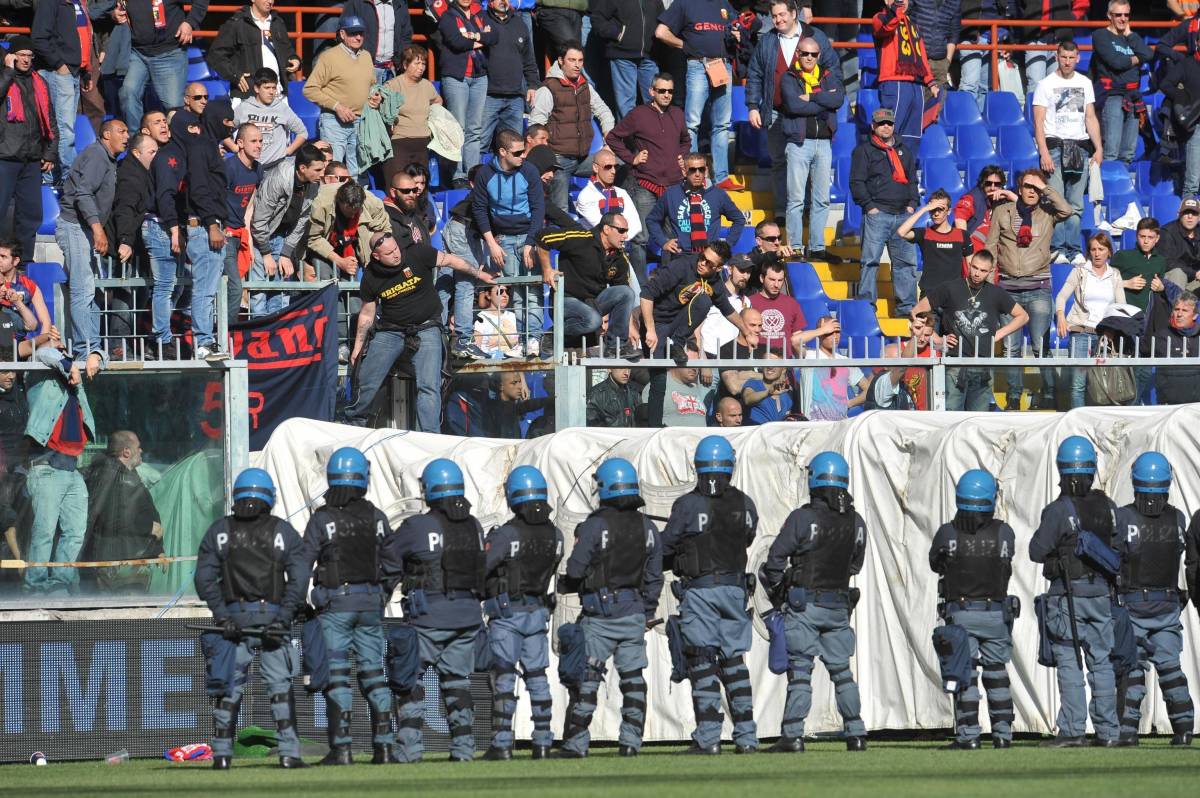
(973, 553)
(250, 572)
(522, 557)
(1153, 530)
(1078, 608)
(444, 569)
(344, 539)
(705, 544)
(616, 568)
(808, 570)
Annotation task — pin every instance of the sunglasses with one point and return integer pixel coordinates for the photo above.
(663, 91)
(621, 230)
(337, 178)
(516, 153)
(413, 190)
(1119, 15)
(995, 183)
(706, 261)
(379, 242)
(606, 166)
(771, 239)
(808, 54)
(697, 170)
(884, 123)
(197, 96)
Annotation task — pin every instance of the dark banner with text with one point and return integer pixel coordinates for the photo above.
(292, 357)
(87, 689)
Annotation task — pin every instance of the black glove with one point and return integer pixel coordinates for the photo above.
(230, 630)
(276, 633)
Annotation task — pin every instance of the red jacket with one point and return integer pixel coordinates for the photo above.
(901, 51)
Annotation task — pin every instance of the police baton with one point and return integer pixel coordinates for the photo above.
(256, 631)
(1070, 593)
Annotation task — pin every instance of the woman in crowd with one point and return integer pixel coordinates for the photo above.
(1095, 285)
(410, 133)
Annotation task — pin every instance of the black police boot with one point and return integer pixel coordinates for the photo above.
(1182, 738)
(1128, 741)
(221, 762)
(338, 755)
(291, 763)
(856, 743)
(627, 751)
(701, 750)
(383, 755)
(963, 745)
(564, 753)
(495, 754)
(541, 752)
(1063, 742)
(787, 745)
(1001, 742)
(1098, 743)
(745, 749)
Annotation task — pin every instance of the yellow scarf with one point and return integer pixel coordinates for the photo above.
(811, 80)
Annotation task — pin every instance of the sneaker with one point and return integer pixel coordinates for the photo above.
(824, 256)
(1059, 257)
(516, 353)
(212, 353)
(343, 354)
(470, 352)
(201, 353)
(532, 348)
(1079, 260)
(630, 352)
(731, 184)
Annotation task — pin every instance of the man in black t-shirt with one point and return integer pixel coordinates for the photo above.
(943, 246)
(401, 313)
(970, 310)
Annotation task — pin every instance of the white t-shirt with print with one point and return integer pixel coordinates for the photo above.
(1065, 101)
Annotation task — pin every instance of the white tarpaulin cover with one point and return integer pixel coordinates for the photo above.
(903, 469)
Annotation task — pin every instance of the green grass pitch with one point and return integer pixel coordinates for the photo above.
(826, 770)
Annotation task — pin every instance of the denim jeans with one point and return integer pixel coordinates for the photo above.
(76, 244)
(384, 350)
(975, 76)
(466, 101)
(1082, 345)
(698, 95)
(233, 288)
(631, 81)
(60, 499)
(64, 93)
(1191, 170)
(644, 200)
(566, 167)
(1066, 233)
(810, 163)
(617, 302)
(500, 113)
(261, 302)
(167, 71)
(968, 389)
(879, 229)
(1040, 306)
(207, 268)
(1118, 131)
(342, 138)
(21, 187)
(529, 320)
(1038, 63)
(164, 268)
(453, 284)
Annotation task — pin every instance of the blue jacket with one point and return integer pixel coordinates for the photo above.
(939, 24)
(511, 65)
(823, 104)
(591, 538)
(671, 216)
(509, 203)
(455, 50)
(321, 533)
(418, 544)
(760, 75)
(56, 39)
(48, 397)
(1058, 520)
(800, 535)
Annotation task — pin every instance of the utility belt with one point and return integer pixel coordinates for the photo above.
(352, 589)
(600, 602)
(56, 460)
(502, 606)
(976, 605)
(262, 605)
(1057, 588)
(718, 580)
(1148, 594)
(416, 603)
(798, 598)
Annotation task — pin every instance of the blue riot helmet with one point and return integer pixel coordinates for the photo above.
(1076, 455)
(254, 483)
(1151, 474)
(976, 492)
(1151, 483)
(525, 484)
(616, 477)
(714, 455)
(442, 478)
(348, 467)
(829, 470)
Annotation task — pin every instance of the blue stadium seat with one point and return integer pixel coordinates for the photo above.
(804, 281)
(751, 143)
(1116, 178)
(49, 211)
(1029, 106)
(840, 190)
(843, 113)
(737, 99)
(597, 138)
(941, 173)
(852, 220)
(845, 139)
(934, 143)
(868, 101)
(972, 142)
(197, 68)
(959, 108)
(1115, 204)
(861, 335)
(216, 87)
(813, 309)
(868, 78)
(1164, 207)
(1058, 278)
(84, 133)
(1015, 141)
(308, 111)
(745, 241)
(1002, 108)
(46, 275)
(1152, 179)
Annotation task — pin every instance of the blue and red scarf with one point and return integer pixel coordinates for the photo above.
(41, 99)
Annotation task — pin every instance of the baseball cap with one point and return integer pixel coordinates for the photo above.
(1190, 204)
(742, 262)
(351, 24)
(883, 115)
